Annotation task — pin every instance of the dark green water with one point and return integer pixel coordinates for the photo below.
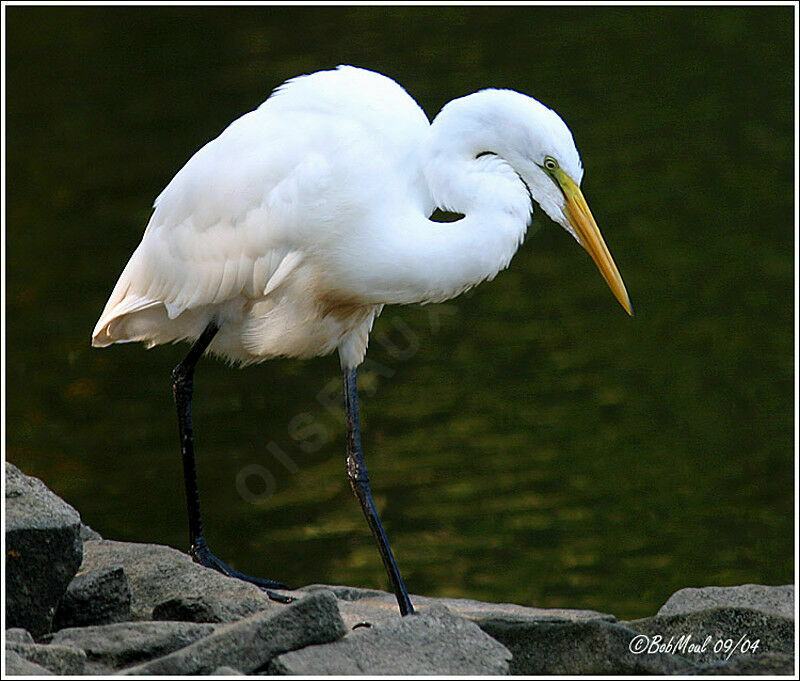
(527, 442)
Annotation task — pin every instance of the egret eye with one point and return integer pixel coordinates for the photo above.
(550, 163)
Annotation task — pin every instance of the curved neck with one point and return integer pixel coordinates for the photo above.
(425, 261)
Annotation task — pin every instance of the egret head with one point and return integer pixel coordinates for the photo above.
(539, 147)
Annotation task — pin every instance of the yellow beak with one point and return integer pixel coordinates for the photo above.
(582, 221)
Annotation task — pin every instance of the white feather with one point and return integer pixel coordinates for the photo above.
(294, 226)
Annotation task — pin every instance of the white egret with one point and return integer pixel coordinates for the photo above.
(288, 233)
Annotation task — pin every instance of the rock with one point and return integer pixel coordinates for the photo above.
(772, 600)
(545, 641)
(43, 551)
(541, 640)
(771, 664)
(368, 606)
(578, 647)
(251, 643)
(16, 665)
(95, 597)
(347, 593)
(18, 636)
(88, 534)
(186, 609)
(157, 574)
(479, 612)
(432, 642)
(207, 623)
(726, 632)
(61, 660)
(112, 646)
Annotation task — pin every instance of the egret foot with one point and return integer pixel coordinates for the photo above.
(204, 557)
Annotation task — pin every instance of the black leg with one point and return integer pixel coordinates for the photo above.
(182, 386)
(359, 481)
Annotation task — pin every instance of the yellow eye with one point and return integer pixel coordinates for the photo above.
(550, 163)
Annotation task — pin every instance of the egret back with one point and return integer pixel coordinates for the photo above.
(245, 232)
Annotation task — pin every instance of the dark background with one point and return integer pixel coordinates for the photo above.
(527, 442)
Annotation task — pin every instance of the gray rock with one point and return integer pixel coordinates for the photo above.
(16, 665)
(61, 660)
(186, 609)
(523, 631)
(251, 643)
(577, 647)
(543, 640)
(432, 642)
(95, 597)
(773, 600)
(732, 631)
(771, 664)
(88, 534)
(43, 551)
(112, 646)
(517, 627)
(226, 671)
(157, 574)
(368, 606)
(479, 612)
(347, 593)
(18, 636)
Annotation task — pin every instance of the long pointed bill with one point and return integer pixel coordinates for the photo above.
(581, 219)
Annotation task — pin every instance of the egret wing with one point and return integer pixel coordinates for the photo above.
(220, 232)
(281, 183)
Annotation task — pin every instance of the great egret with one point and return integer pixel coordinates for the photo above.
(288, 233)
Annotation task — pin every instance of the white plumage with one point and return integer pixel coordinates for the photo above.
(288, 233)
(304, 217)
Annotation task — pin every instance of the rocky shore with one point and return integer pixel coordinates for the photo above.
(80, 604)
